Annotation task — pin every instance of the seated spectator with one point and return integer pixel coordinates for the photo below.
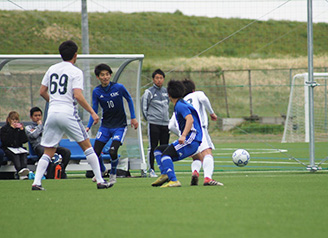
(13, 137)
(34, 133)
(2, 154)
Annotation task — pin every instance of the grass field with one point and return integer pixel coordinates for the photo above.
(271, 197)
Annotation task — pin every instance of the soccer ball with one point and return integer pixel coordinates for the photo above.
(241, 157)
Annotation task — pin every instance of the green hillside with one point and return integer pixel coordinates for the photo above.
(157, 35)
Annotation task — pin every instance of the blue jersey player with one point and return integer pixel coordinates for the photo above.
(187, 144)
(109, 96)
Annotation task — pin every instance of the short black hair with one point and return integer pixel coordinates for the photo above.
(35, 109)
(67, 50)
(101, 67)
(175, 89)
(189, 86)
(158, 71)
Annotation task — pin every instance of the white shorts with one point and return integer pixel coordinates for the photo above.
(58, 124)
(206, 141)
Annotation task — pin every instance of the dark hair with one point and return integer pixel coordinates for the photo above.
(189, 86)
(35, 109)
(12, 116)
(101, 67)
(67, 50)
(158, 71)
(175, 89)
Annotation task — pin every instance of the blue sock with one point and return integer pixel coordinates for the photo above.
(114, 164)
(102, 165)
(168, 167)
(158, 156)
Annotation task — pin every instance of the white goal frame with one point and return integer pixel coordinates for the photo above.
(306, 105)
(136, 157)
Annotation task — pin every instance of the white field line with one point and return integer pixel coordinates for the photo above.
(251, 162)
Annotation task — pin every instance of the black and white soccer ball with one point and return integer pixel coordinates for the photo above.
(241, 157)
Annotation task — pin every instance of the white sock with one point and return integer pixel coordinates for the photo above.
(208, 166)
(41, 169)
(94, 163)
(196, 165)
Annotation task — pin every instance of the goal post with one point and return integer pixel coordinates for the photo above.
(21, 77)
(297, 127)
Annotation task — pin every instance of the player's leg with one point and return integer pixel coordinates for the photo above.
(51, 136)
(208, 167)
(98, 147)
(195, 168)
(154, 134)
(163, 178)
(42, 167)
(176, 152)
(75, 130)
(118, 135)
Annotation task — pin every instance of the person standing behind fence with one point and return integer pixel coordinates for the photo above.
(62, 87)
(109, 96)
(34, 135)
(155, 109)
(13, 137)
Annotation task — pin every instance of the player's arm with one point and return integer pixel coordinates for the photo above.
(81, 100)
(145, 104)
(95, 108)
(207, 104)
(188, 126)
(127, 96)
(44, 92)
(173, 125)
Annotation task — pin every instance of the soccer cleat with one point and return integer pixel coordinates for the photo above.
(104, 185)
(194, 178)
(211, 182)
(172, 184)
(112, 178)
(23, 177)
(152, 174)
(37, 187)
(161, 180)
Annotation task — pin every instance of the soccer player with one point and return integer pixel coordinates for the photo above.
(113, 124)
(62, 87)
(155, 109)
(188, 142)
(204, 156)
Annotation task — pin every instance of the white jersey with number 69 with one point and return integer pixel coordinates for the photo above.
(61, 79)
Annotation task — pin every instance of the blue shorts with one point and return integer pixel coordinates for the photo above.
(104, 134)
(185, 150)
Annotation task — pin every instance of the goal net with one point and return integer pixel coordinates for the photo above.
(297, 127)
(21, 77)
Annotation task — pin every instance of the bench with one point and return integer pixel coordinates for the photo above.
(78, 160)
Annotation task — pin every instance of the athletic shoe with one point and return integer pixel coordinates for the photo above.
(152, 174)
(112, 178)
(37, 187)
(211, 182)
(161, 180)
(194, 178)
(23, 172)
(171, 184)
(103, 185)
(23, 177)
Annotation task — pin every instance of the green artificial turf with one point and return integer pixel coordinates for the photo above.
(250, 204)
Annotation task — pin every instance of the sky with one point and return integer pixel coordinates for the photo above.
(293, 10)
